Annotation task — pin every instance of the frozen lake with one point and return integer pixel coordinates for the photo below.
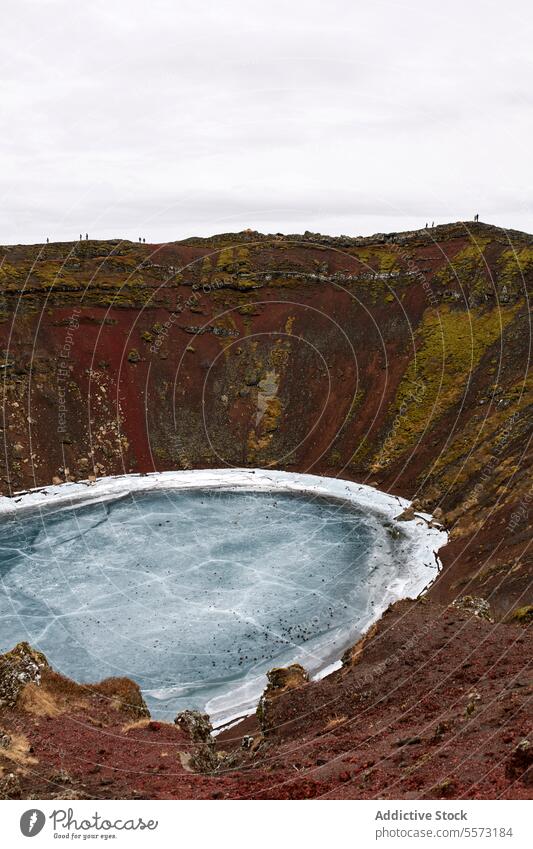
(194, 593)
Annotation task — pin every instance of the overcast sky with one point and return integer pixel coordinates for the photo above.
(171, 119)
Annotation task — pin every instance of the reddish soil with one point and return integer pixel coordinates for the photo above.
(432, 704)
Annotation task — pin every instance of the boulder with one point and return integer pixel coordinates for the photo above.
(285, 678)
(18, 667)
(280, 681)
(520, 763)
(476, 605)
(196, 724)
(406, 515)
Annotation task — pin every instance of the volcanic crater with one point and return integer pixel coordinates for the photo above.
(399, 361)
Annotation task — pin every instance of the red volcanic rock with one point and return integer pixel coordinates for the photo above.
(392, 724)
(520, 765)
(280, 680)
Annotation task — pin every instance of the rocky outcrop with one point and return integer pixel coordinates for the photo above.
(27, 681)
(197, 726)
(478, 606)
(19, 667)
(281, 680)
(520, 764)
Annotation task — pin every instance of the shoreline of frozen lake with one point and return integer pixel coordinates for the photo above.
(402, 558)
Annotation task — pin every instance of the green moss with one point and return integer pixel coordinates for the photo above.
(523, 615)
(249, 309)
(9, 273)
(512, 265)
(225, 259)
(206, 269)
(388, 260)
(511, 259)
(378, 258)
(449, 345)
(247, 284)
(52, 274)
(466, 268)
(355, 404)
(360, 453)
(476, 442)
(233, 260)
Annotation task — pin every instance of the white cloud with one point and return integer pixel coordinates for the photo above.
(173, 118)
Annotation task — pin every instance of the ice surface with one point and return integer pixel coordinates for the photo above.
(195, 593)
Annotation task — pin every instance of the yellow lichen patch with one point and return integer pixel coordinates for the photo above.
(513, 263)
(243, 256)
(449, 345)
(272, 415)
(225, 259)
(269, 407)
(355, 404)
(227, 322)
(380, 259)
(466, 265)
(289, 324)
(206, 269)
(474, 250)
(523, 615)
(360, 453)
(268, 411)
(10, 273)
(50, 272)
(478, 441)
(279, 356)
(388, 260)
(233, 260)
